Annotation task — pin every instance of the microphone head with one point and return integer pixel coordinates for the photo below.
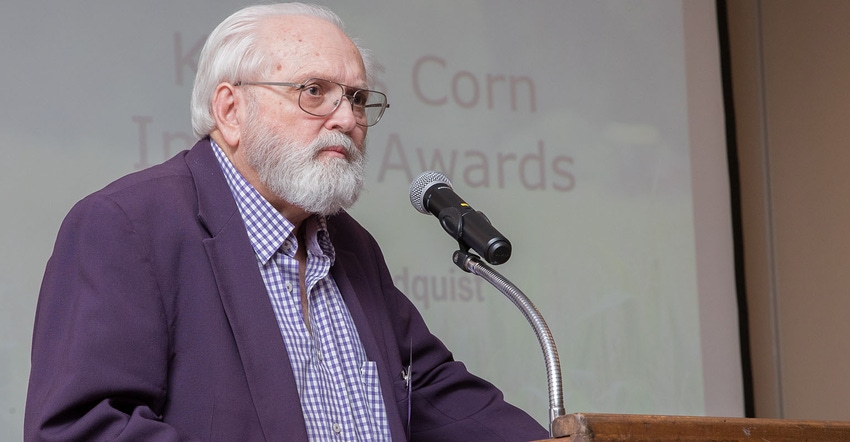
(420, 186)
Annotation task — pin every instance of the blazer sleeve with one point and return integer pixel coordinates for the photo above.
(100, 345)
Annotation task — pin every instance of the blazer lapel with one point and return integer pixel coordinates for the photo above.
(245, 301)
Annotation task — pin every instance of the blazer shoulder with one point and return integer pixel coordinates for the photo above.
(173, 183)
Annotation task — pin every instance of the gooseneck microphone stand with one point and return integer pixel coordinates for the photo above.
(472, 264)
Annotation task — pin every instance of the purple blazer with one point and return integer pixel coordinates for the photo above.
(153, 323)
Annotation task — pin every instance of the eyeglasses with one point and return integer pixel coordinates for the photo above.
(322, 97)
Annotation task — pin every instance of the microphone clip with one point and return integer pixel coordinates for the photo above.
(452, 220)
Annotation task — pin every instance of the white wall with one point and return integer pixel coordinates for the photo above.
(791, 71)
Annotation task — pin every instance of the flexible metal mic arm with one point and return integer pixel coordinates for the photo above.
(472, 264)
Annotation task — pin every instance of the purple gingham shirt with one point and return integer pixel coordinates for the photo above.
(338, 387)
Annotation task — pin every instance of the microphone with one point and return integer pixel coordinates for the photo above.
(431, 192)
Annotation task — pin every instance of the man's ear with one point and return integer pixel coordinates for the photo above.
(226, 104)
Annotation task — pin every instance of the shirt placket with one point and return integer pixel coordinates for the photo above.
(340, 425)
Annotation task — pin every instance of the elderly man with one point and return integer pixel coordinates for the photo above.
(226, 295)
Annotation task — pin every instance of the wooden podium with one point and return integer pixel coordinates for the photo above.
(591, 427)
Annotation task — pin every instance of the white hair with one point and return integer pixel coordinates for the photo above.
(231, 53)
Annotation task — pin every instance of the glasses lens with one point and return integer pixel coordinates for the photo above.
(368, 106)
(319, 97)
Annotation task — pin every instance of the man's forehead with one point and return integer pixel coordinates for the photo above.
(301, 31)
(310, 46)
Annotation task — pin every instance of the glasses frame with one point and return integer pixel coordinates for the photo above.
(350, 97)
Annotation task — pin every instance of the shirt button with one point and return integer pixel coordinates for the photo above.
(337, 428)
(289, 287)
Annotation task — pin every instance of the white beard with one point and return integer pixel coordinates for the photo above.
(292, 171)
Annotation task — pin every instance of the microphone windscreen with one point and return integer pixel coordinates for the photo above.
(420, 186)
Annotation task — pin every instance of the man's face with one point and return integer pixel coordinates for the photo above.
(315, 163)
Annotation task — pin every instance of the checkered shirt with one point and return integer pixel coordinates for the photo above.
(339, 388)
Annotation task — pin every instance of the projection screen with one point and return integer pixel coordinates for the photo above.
(589, 132)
